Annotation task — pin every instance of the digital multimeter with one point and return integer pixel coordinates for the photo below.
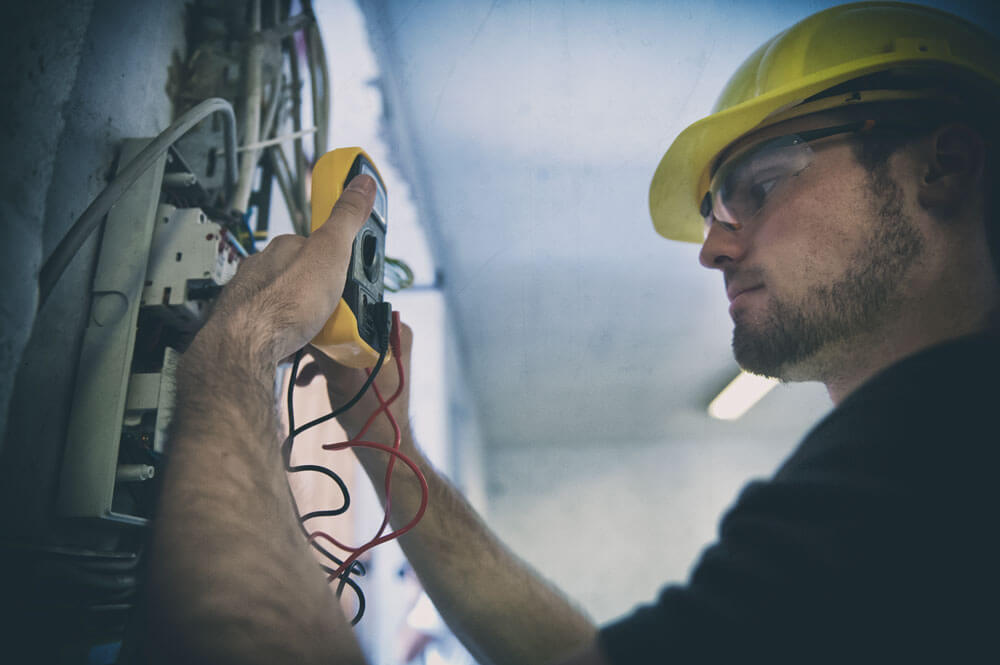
(351, 335)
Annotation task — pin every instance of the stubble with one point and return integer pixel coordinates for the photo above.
(792, 333)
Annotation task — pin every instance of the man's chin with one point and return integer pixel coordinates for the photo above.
(760, 368)
(761, 352)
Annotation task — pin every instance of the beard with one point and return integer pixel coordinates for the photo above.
(791, 333)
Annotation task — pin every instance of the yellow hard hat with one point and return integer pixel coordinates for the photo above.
(818, 53)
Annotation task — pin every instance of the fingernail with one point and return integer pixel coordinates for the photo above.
(363, 184)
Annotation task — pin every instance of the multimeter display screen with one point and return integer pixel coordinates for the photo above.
(380, 198)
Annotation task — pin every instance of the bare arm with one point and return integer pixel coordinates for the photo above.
(501, 609)
(231, 577)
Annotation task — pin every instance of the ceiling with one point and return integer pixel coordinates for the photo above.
(530, 131)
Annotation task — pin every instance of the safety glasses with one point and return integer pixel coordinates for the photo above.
(742, 184)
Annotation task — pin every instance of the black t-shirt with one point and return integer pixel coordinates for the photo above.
(876, 540)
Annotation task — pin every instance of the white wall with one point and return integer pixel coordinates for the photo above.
(611, 525)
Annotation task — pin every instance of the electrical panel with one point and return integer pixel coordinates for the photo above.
(159, 270)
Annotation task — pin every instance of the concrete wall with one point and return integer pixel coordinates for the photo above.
(41, 54)
(79, 77)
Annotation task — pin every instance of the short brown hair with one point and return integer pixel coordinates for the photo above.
(961, 99)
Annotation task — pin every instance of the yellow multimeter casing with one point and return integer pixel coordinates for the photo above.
(351, 335)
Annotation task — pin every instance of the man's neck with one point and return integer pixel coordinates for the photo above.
(855, 361)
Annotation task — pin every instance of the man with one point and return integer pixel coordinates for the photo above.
(846, 196)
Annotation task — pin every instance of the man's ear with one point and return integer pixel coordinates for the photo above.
(955, 157)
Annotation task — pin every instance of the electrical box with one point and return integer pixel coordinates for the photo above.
(159, 270)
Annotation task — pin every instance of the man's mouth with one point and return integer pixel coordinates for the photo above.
(735, 292)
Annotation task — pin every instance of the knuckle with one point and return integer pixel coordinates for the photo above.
(284, 241)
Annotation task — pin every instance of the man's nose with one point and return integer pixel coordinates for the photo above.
(722, 246)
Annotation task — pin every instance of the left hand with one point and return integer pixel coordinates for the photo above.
(342, 383)
(280, 298)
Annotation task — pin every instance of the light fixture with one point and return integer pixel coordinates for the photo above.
(742, 393)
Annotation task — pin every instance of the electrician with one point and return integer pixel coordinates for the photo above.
(844, 187)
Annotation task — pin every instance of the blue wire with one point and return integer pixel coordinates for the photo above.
(246, 225)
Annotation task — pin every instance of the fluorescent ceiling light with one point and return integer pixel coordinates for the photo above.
(742, 393)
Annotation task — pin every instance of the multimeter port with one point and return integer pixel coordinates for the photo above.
(369, 256)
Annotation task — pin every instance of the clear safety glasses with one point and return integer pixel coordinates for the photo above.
(741, 186)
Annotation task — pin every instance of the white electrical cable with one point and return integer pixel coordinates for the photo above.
(276, 140)
(320, 86)
(272, 109)
(56, 264)
(287, 29)
(251, 114)
(282, 172)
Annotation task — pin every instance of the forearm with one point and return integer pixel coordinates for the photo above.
(231, 578)
(500, 608)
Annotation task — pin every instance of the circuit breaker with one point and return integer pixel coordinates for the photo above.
(190, 259)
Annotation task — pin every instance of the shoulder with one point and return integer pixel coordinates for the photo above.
(925, 411)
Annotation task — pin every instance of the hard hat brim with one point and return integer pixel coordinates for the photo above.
(682, 177)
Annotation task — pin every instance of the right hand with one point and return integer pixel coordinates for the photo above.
(343, 383)
(282, 296)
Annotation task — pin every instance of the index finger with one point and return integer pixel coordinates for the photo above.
(349, 212)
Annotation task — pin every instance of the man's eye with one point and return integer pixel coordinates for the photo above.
(760, 190)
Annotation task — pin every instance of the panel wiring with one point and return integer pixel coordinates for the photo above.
(398, 275)
(91, 218)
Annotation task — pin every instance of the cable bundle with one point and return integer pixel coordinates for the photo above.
(345, 568)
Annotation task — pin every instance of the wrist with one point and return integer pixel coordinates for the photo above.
(231, 347)
(223, 379)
